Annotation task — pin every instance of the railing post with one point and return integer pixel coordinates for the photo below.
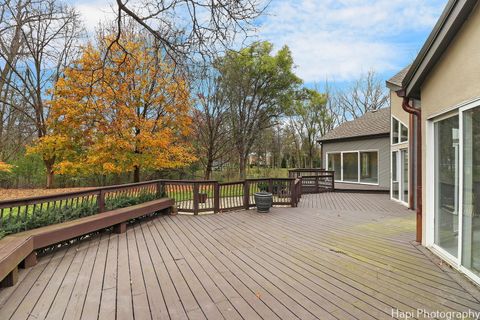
(246, 194)
(333, 181)
(293, 193)
(195, 198)
(216, 197)
(101, 201)
(270, 185)
(317, 187)
(160, 189)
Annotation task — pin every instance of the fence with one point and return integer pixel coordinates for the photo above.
(211, 196)
(314, 180)
(190, 196)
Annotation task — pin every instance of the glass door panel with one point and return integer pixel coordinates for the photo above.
(446, 184)
(395, 173)
(404, 174)
(471, 190)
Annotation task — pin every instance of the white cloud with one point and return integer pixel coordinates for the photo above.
(94, 12)
(341, 39)
(334, 39)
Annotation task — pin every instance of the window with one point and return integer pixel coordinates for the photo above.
(335, 164)
(395, 183)
(369, 167)
(395, 125)
(446, 184)
(354, 166)
(399, 132)
(350, 167)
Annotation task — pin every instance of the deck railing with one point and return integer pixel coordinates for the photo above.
(190, 196)
(314, 180)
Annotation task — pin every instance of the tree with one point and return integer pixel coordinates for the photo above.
(41, 39)
(122, 114)
(258, 87)
(311, 120)
(368, 93)
(191, 28)
(5, 167)
(211, 130)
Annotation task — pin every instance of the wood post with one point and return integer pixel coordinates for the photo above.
(216, 197)
(317, 187)
(195, 198)
(11, 279)
(160, 189)
(101, 201)
(293, 193)
(29, 261)
(120, 228)
(246, 195)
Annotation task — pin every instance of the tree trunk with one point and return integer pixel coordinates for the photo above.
(50, 173)
(136, 174)
(208, 170)
(243, 167)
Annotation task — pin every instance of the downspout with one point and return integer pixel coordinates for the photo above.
(407, 107)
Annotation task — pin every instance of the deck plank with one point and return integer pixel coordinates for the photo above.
(336, 256)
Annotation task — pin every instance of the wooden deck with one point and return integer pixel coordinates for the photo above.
(337, 256)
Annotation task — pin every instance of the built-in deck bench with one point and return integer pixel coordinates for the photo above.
(19, 249)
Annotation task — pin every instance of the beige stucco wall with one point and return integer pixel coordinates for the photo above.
(396, 107)
(454, 80)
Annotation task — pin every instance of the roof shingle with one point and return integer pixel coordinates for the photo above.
(398, 78)
(370, 124)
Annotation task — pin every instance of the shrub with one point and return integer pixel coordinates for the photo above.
(56, 214)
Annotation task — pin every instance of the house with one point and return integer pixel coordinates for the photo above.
(400, 188)
(440, 94)
(359, 152)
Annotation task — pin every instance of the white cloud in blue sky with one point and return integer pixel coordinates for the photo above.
(333, 39)
(340, 39)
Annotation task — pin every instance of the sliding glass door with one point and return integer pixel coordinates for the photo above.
(446, 184)
(471, 190)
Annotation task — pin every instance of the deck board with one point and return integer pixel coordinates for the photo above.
(336, 256)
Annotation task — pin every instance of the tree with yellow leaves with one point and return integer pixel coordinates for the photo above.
(119, 108)
(5, 167)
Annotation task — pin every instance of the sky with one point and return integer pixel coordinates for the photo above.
(333, 40)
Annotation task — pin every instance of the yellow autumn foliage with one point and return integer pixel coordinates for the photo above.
(111, 116)
(5, 167)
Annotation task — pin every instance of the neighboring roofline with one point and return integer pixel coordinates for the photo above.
(364, 137)
(447, 26)
(392, 86)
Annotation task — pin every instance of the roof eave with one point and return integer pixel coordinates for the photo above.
(449, 23)
(353, 138)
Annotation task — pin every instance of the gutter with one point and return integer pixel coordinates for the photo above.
(407, 107)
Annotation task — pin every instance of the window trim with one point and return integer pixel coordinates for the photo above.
(399, 131)
(358, 166)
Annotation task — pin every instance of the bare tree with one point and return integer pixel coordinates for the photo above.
(367, 93)
(211, 130)
(191, 27)
(46, 34)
